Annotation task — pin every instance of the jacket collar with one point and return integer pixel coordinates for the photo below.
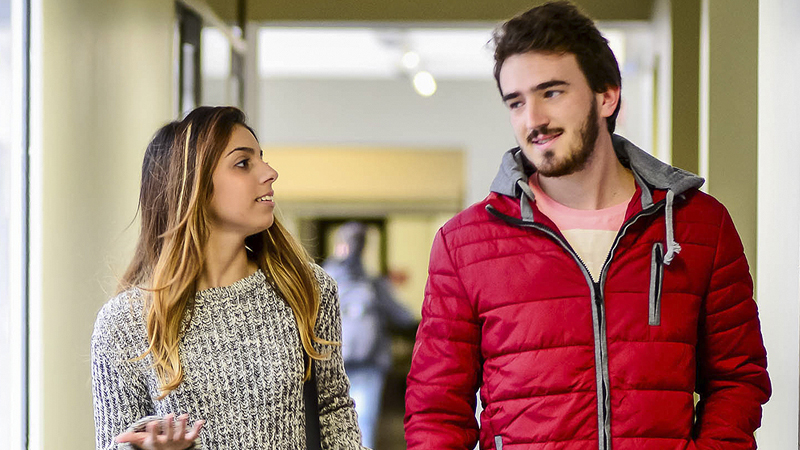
(654, 179)
(650, 173)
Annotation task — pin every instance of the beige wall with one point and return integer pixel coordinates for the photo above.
(731, 138)
(685, 25)
(102, 77)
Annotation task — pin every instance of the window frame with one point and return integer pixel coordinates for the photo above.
(16, 262)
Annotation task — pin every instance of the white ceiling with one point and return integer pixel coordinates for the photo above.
(367, 53)
(372, 53)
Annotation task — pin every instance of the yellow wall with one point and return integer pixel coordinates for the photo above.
(408, 249)
(365, 175)
(102, 85)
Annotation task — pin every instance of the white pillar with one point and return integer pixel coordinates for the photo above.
(779, 215)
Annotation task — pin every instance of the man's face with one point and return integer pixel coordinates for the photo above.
(554, 112)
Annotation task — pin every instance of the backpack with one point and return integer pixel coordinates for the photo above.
(361, 321)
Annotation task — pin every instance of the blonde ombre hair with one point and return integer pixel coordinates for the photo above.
(175, 193)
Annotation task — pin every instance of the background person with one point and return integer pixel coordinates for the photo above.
(369, 309)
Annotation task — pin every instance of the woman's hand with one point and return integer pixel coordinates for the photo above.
(164, 435)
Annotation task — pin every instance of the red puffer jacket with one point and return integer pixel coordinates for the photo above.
(567, 363)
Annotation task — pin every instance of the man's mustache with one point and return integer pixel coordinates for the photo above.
(536, 132)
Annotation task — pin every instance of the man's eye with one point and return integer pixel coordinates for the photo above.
(514, 105)
(551, 94)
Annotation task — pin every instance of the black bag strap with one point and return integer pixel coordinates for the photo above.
(313, 441)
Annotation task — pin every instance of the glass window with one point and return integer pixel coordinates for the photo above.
(13, 222)
(222, 67)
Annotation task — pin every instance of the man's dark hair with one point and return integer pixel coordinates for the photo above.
(559, 27)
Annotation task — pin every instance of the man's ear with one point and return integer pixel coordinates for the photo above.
(608, 101)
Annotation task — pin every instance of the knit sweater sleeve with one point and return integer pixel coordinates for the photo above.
(121, 395)
(337, 416)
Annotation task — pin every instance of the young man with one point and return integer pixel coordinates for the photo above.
(595, 289)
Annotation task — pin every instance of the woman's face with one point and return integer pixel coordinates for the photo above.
(242, 202)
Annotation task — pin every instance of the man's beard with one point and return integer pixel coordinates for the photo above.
(576, 160)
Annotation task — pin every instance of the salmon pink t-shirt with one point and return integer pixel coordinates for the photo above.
(590, 232)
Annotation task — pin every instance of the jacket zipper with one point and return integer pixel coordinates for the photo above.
(606, 442)
(598, 311)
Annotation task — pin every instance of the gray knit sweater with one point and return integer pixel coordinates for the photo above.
(243, 366)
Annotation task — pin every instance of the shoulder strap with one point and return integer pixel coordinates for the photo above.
(313, 441)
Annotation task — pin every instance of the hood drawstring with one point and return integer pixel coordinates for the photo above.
(673, 248)
(524, 203)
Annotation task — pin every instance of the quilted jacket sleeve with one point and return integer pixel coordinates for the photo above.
(732, 362)
(445, 368)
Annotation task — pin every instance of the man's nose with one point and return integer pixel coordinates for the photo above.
(535, 116)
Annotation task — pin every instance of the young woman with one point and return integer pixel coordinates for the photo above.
(221, 316)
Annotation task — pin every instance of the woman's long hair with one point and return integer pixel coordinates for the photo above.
(176, 191)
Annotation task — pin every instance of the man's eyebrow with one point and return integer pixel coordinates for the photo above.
(549, 84)
(508, 97)
(241, 149)
(539, 87)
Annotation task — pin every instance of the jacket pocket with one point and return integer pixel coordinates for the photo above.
(498, 442)
(656, 280)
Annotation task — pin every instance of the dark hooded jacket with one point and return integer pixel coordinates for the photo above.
(564, 362)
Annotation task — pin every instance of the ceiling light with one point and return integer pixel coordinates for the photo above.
(424, 84)
(410, 60)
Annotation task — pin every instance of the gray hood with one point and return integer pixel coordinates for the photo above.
(650, 173)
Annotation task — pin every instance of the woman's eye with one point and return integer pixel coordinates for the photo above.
(243, 163)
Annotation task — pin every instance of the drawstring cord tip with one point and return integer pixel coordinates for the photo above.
(673, 248)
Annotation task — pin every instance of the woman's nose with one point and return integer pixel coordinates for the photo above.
(269, 174)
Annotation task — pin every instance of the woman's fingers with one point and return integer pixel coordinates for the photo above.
(158, 433)
(180, 429)
(152, 433)
(195, 431)
(128, 436)
(168, 430)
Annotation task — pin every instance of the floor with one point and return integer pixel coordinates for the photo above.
(390, 428)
